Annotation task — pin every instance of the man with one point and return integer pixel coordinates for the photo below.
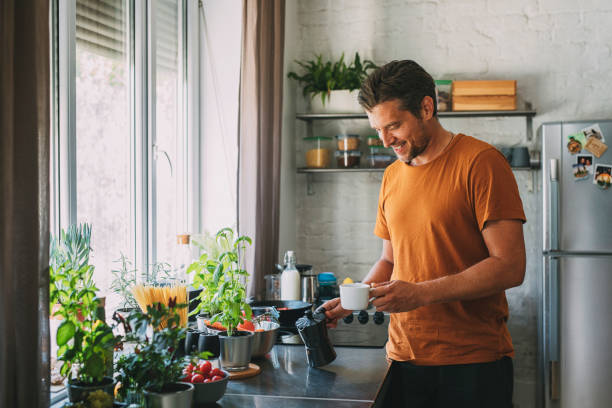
(450, 217)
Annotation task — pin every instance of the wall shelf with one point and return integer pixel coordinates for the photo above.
(528, 113)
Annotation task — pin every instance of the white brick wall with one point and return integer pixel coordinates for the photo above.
(559, 51)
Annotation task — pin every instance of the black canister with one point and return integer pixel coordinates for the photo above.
(313, 331)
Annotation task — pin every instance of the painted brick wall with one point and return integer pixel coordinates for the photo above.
(560, 52)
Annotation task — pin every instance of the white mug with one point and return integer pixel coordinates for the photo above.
(354, 296)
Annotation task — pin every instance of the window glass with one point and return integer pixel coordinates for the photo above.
(168, 157)
(103, 131)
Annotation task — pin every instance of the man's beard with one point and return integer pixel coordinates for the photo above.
(416, 150)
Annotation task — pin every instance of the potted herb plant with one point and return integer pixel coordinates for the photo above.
(333, 86)
(125, 277)
(154, 368)
(224, 296)
(85, 342)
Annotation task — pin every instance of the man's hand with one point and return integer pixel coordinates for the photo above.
(334, 311)
(396, 296)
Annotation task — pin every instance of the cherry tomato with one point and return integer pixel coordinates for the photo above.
(204, 368)
(198, 378)
(216, 378)
(190, 367)
(217, 372)
(187, 377)
(206, 380)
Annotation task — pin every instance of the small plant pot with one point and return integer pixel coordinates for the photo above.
(339, 101)
(209, 393)
(210, 343)
(235, 351)
(78, 391)
(174, 395)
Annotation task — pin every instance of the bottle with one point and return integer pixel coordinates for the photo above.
(182, 259)
(290, 278)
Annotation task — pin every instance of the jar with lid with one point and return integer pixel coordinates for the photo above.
(318, 153)
(381, 150)
(374, 140)
(379, 161)
(443, 94)
(348, 159)
(347, 142)
(328, 287)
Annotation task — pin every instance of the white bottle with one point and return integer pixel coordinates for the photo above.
(290, 279)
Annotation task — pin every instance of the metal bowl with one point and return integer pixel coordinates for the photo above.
(264, 341)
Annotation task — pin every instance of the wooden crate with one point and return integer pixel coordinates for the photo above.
(484, 103)
(482, 88)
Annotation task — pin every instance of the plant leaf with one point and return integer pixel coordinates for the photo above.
(65, 332)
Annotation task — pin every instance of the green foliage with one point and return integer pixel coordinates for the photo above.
(222, 280)
(154, 362)
(160, 274)
(124, 279)
(320, 78)
(83, 339)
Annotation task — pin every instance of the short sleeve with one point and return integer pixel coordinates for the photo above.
(493, 189)
(380, 229)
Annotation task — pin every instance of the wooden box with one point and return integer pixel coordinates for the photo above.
(484, 95)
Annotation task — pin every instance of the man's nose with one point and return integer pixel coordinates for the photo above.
(385, 137)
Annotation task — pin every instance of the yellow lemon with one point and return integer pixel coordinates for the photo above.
(347, 281)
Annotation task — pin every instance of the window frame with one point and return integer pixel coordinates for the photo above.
(141, 73)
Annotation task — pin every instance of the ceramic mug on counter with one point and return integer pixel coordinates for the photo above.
(354, 296)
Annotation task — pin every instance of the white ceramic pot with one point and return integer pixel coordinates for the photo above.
(341, 101)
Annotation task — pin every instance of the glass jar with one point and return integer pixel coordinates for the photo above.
(347, 142)
(379, 161)
(273, 286)
(348, 159)
(374, 140)
(443, 94)
(381, 150)
(318, 153)
(328, 286)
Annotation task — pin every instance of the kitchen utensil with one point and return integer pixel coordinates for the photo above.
(354, 296)
(520, 157)
(313, 331)
(288, 310)
(263, 341)
(309, 288)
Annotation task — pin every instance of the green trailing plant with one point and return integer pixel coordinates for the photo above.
(155, 361)
(223, 281)
(125, 277)
(321, 77)
(83, 339)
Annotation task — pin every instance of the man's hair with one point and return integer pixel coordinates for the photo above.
(404, 80)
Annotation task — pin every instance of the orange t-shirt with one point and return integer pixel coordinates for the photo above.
(433, 215)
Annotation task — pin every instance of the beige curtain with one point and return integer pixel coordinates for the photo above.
(261, 90)
(24, 203)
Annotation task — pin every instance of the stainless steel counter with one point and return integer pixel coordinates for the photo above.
(352, 380)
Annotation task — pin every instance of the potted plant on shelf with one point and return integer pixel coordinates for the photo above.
(154, 368)
(333, 86)
(224, 296)
(125, 277)
(85, 342)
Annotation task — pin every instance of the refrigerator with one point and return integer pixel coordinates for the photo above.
(575, 313)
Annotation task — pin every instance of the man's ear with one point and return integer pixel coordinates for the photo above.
(427, 108)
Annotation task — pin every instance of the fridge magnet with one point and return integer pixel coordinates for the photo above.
(583, 167)
(595, 146)
(575, 142)
(593, 131)
(603, 176)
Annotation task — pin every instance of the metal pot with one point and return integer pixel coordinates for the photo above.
(263, 341)
(175, 395)
(235, 351)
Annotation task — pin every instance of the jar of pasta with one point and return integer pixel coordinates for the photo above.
(347, 142)
(318, 154)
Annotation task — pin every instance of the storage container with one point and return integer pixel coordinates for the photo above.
(347, 142)
(348, 159)
(328, 286)
(443, 94)
(379, 161)
(318, 153)
(381, 150)
(374, 140)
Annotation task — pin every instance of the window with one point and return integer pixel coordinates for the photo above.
(119, 145)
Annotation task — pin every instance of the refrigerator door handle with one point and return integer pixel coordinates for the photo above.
(554, 205)
(553, 330)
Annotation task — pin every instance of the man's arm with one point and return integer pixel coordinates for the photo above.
(503, 269)
(380, 272)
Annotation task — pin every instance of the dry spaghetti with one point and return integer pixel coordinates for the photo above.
(150, 295)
